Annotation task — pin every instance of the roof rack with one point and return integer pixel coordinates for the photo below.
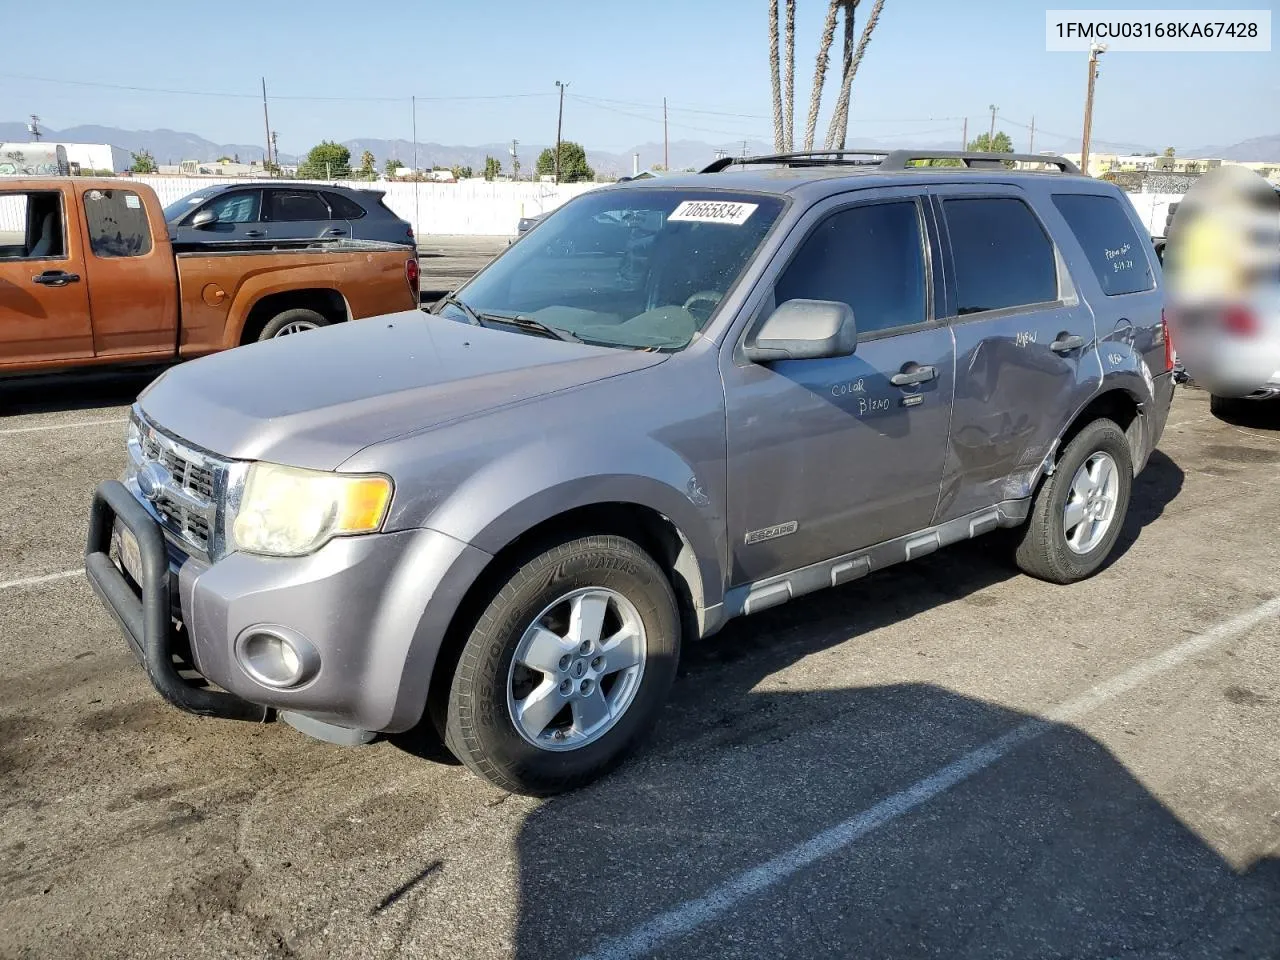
(894, 159)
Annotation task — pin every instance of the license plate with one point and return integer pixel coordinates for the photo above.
(128, 556)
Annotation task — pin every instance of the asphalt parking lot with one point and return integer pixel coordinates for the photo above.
(946, 759)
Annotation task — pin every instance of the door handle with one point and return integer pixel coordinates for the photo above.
(918, 375)
(255, 233)
(335, 232)
(1066, 344)
(55, 278)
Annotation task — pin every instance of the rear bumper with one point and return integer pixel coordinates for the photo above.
(374, 609)
(1162, 400)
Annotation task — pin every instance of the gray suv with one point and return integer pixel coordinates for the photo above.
(671, 404)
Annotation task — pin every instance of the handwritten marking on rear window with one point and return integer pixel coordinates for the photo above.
(713, 211)
(1119, 262)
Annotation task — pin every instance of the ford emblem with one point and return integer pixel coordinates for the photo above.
(152, 480)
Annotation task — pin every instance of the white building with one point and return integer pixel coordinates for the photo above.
(98, 156)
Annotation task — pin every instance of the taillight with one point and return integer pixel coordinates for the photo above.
(411, 274)
(1239, 321)
(1168, 342)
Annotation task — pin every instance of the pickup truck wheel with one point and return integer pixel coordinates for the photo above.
(1078, 512)
(566, 669)
(298, 320)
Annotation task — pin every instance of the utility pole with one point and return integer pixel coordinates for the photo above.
(559, 127)
(275, 152)
(964, 135)
(666, 144)
(1031, 144)
(266, 122)
(1095, 50)
(991, 137)
(34, 127)
(515, 161)
(417, 219)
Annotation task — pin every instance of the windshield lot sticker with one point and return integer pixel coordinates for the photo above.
(713, 211)
(132, 202)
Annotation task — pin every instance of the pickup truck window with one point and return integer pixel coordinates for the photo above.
(32, 226)
(286, 205)
(870, 257)
(631, 267)
(117, 223)
(1002, 256)
(1109, 241)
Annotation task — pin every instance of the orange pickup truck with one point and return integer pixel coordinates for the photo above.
(88, 275)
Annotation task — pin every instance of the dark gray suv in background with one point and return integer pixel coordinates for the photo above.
(671, 404)
(282, 214)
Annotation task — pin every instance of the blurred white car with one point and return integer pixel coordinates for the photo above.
(1223, 269)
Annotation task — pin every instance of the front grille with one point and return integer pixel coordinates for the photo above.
(182, 485)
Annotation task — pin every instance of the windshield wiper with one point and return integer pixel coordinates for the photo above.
(532, 326)
(472, 317)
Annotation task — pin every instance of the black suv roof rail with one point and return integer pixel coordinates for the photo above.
(892, 160)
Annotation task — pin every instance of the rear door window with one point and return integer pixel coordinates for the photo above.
(1002, 256)
(343, 208)
(117, 223)
(1112, 246)
(287, 205)
(870, 257)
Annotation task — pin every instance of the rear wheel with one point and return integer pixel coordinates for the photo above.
(566, 669)
(297, 320)
(1078, 511)
(1225, 408)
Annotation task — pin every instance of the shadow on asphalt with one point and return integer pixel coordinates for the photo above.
(58, 392)
(1053, 851)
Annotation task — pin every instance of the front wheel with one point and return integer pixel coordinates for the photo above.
(1078, 511)
(566, 669)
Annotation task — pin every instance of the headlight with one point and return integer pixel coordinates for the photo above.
(288, 512)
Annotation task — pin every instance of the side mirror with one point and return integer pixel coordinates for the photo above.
(805, 330)
(203, 219)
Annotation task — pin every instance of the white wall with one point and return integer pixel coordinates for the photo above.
(480, 208)
(474, 207)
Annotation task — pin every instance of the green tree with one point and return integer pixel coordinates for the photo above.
(984, 143)
(492, 168)
(326, 161)
(463, 173)
(1168, 151)
(573, 163)
(143, 162)
(390, 167)
(368, 168)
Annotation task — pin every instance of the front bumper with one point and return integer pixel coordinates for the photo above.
(375, 609)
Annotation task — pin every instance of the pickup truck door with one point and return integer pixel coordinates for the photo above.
(44, 302)
(828, 456)
(1026, 351)
(133, 282)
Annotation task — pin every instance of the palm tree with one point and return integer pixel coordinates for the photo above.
(820, 71)
(789, 95)
(775, 75)
(839, 129)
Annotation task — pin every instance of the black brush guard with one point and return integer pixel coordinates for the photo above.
(147, 620)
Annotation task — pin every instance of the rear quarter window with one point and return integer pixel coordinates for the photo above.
(117, 223)
(1111, 244)
(343, 208)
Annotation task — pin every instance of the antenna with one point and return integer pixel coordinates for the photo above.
(34, 127)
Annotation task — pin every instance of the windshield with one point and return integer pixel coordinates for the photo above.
(627, 268)
(176, 209)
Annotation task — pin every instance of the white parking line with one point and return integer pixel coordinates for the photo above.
(61, 426)
(33, 581)
(692, 914)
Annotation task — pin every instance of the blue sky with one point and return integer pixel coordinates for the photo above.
(930, 63)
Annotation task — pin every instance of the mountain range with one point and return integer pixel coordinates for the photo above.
(171, 146)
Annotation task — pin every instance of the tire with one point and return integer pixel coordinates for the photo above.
(296, 317)
(562, 742)
(1051, 550)
(1225, 408)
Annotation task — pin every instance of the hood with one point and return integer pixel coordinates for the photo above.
(316, 398)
